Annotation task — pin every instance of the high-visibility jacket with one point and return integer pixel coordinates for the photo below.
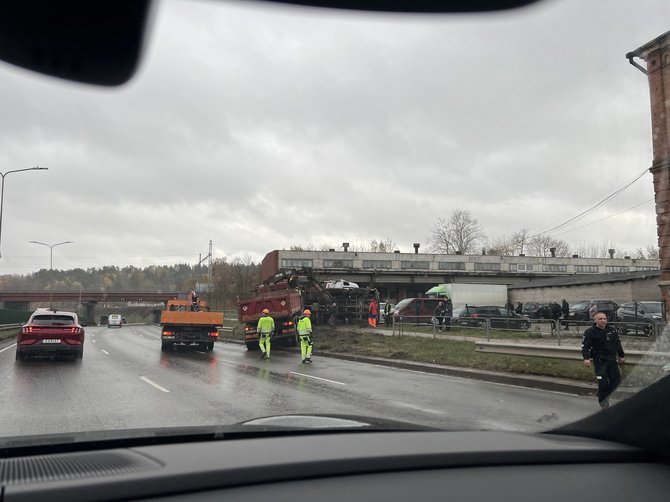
(304, 326)
(266, 324)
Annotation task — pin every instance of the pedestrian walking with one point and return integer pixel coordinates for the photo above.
(439, 314)
(373, 313)
(265, 329)
(519, 308)
(601, 347)
(593, 310)
(565, 308)
(388, 308)
(333, 315)
(448, 313)
(305, 334)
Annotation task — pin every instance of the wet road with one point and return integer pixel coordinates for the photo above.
(124, 381)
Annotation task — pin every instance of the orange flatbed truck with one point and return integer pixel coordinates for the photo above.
(184, 323)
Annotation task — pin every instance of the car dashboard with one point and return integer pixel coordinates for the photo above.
(397, 465)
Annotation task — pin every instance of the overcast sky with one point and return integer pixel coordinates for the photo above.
(261, 128)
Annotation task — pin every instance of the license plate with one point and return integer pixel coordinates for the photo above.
(51, 340)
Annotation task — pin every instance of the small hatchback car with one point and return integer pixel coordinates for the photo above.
(51, 333)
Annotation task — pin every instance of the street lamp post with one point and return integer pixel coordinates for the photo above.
(51, 262)
(2, 191)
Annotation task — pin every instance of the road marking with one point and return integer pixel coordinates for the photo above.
(7, 348)
(154, 384)
(317, 378)
(105, 352)
(93, 341)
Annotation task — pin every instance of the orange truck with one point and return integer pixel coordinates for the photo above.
(184, 323)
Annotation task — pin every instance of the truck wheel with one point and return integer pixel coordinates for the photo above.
(209, 346)
(252, 346)
(166, 346)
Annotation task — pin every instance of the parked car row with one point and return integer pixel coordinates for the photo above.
(644, 316)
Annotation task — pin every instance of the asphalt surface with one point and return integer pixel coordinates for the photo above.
(124, 381)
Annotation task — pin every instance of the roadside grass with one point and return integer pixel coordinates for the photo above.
(426, 349)
(445, 352)
(8, 333)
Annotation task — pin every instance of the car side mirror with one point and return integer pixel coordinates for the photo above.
(640, 311)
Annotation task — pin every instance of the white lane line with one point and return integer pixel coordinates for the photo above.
(7, 348)
(154, 384)
(105, 352)
(317, 378)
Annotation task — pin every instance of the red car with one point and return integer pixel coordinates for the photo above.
(50, 333)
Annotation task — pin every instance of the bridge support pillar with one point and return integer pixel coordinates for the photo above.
(89, 312)
(17, 305)
(156, 316)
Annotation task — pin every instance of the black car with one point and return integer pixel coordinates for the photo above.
(579, 312)
(498, 317)
(535, 310)
(640, 317)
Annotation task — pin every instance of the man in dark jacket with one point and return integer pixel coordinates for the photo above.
(439, 314)
(601, 347)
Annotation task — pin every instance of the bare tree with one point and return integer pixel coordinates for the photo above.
(509, 245)
(649, 252)
(385, 246)
(461, 233)
(541, 245)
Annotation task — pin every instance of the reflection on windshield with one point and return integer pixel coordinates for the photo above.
(354, 138)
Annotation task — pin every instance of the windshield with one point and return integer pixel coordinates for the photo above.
(651, 307)
(262, 153)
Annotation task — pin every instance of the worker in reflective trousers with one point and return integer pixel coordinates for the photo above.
(305, 334)
(265, 329)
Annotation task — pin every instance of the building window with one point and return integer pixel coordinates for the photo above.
(338, 263)
(376, 263)
(298, 263)
(521, 267)
(555, 268)
(487, 267)
(451, 265)
(586, 269)
(646, 268)
(616, 268)
(422, 265)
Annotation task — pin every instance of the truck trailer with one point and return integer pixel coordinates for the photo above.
(471, 294)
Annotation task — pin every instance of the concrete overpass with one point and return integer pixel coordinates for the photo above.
(21, 300)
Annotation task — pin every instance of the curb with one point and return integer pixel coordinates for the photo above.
(531, 381)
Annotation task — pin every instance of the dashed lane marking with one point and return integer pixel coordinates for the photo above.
(159, 387)
(317, 378)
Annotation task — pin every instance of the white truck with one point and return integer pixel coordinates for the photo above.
(471, 294)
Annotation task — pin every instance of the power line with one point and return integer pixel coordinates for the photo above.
(595, 206)
(605, 217)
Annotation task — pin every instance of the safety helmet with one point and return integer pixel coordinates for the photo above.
(307, 312)
(266, 311)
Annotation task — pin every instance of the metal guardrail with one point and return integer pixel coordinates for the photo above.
(10, 326)
(574, 353)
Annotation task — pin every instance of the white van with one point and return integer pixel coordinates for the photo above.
(114, 320)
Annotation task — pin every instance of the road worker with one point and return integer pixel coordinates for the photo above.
(265, 329)
(305, 333)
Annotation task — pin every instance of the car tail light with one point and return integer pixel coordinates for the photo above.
(288, 323)
(214, 333)
(168, 333)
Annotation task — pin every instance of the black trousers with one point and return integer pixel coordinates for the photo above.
(608, 376)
